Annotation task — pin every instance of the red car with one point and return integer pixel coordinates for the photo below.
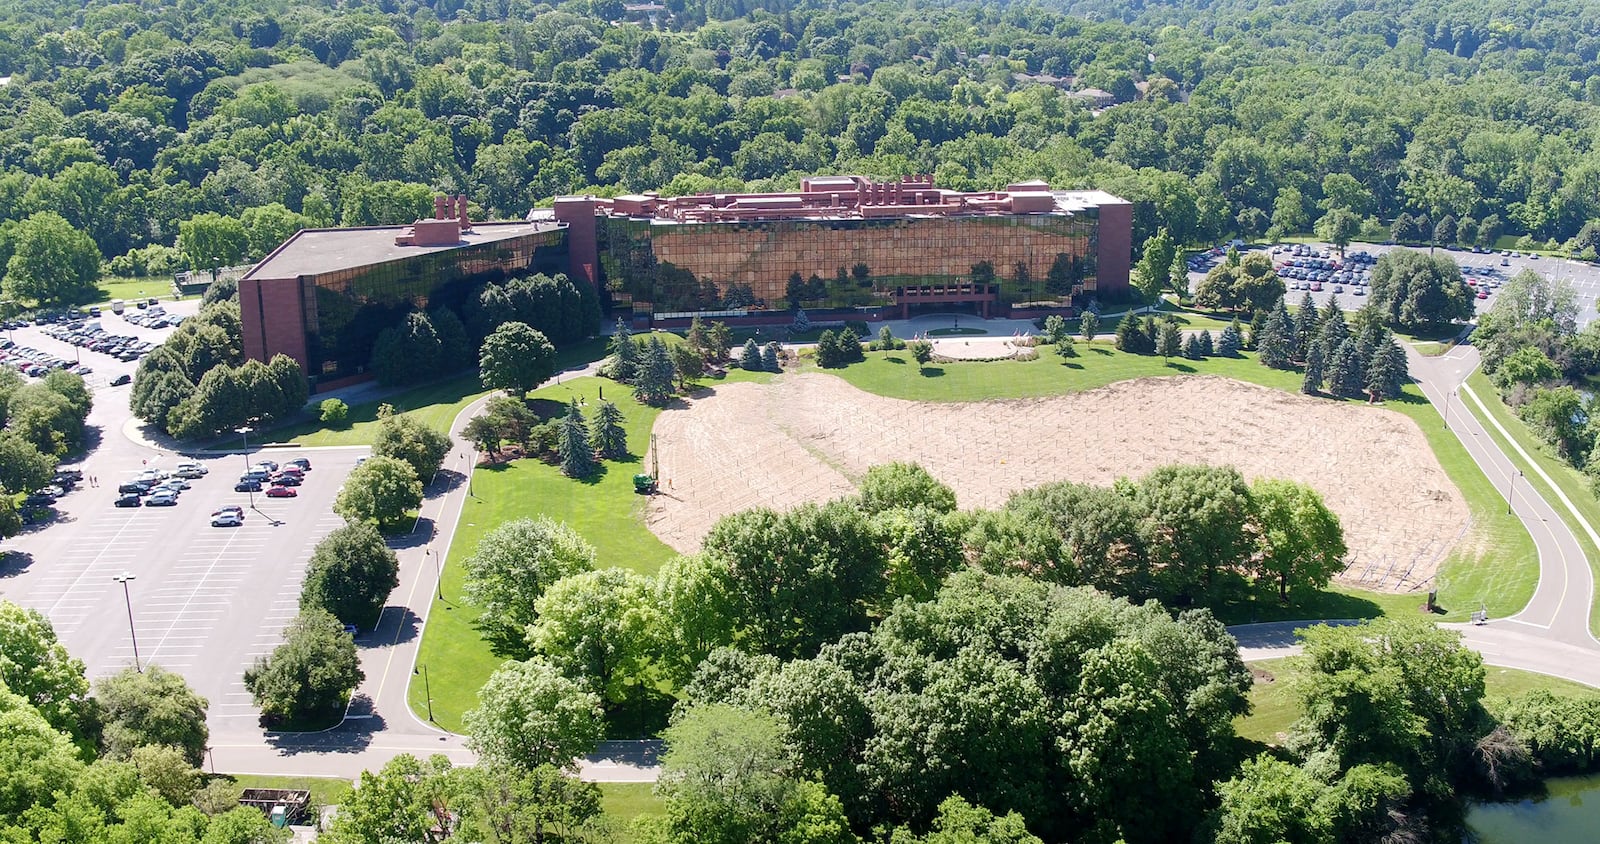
(1483, 294)
(281, 492)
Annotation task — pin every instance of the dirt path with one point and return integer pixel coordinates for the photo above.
(808, 437)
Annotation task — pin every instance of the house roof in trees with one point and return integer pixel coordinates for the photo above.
(317, 251)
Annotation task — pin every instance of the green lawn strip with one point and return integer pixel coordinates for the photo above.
(325, 791)
(129, 289)
(1431, 349)
(1274, 708)
(1570, 481)
(435, 404)
(604, 510)
(1496, 563)
(623, 801)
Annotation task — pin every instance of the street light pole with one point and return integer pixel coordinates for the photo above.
(1511, 490)
(123, 579)
(244, 443)
(427, 690)
(1447, 397)
(438, 575)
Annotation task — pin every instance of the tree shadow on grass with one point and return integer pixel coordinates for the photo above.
(1070, 365)
(932, 372)
(1098, 351)
(895, 359)
(1181, 367)
(1317, 605)
(642, 716)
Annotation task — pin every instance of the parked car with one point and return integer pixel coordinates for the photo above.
(131, 500)
(227, 520)
(247, 486)
(281, 492)
(162, 498)
(37, 500)
(286, 480)
(120, 380)
(303, 464)
(231, 508)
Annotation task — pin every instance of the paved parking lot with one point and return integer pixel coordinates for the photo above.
(1585, 278)
(206, 601)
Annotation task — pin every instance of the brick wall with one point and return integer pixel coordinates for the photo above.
(282, 333)
(1116, 248)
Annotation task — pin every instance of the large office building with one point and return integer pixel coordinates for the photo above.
(844, 247)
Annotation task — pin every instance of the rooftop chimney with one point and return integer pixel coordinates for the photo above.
(440, 203)
(461, 213)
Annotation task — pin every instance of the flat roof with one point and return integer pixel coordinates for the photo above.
(317, 251)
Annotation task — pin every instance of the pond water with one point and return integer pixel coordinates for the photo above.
(1568, 814)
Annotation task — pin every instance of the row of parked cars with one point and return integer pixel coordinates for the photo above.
(35, 363)
(154, 316)
(1305, 268)
(92, 336)
(278, 481)
(158, 487)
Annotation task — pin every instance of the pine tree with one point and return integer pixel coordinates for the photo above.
(700, 339)
(750, 358)
(828, 350)
(1333, 333)
(627, 353)
(1066, 348)
(849, 343)
(1191, 347)
(1170, 340)
(1387, 371)
(1273, 342)
(1151, 329)
(653, 383)
(1316, 361)
(1347, 374)
(1207, 349)
(1331, 310)
(1306, 323)
(769, 358)
(577, 458)
(1229, 341)
(1130, 334)
(1258, 321)
(607, 437)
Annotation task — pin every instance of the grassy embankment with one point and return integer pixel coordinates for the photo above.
(604, 509)
(1274, 707)
(1569, 480)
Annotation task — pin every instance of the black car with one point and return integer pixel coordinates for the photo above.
(247, 486)
(38, 500)
(304, 464)
(120, 380)
(286, 479)
(128, 500)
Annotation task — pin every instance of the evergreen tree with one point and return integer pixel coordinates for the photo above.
(1331, 310)
(750, 358)
(769, 358)
(1258, 321)
(801, 324)
(653, 381)
(1333, 333)
(577, 458)
(699, 338)
(1170, 340)
(1191, 347)
(1229, 341)
(607, 437)
(1273, 342)
(1387, 371)
(849, 343)
(1306, 323)
(627, 353)
(1316, 361)
(828, 350)
(1130, 334)
(1066, 348)
(1151, 329)
(1347, 375)
(1089, 326)
(1207, 349)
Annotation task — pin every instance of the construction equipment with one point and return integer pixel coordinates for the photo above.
(649, 484)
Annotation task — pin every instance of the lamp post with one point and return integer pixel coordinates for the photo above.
(438, 575)
(428, 691)
(1511, 490)
(123, 579)
(244, 443)
(216, 263)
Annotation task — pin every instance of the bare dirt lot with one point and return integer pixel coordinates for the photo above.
(807, 437)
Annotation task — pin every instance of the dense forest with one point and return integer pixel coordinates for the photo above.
(249, 120)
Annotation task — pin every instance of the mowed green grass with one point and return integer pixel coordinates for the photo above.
(1568, 479)
(623, 801)
(435, 404)
(604, 510)
(128, 289)
(1274, 707)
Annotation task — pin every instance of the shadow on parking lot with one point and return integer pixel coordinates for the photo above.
(13, 563)
(353, 735)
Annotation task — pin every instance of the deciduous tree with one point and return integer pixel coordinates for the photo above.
(407, 438)
(510, 570)
(153, 707)
(381, 490)
(311, 674)
(529, 715)
(350, 575)
(515, 358)
(601, 628)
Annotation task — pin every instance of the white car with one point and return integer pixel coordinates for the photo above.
(190, 470)
(227, 519)
(175, 484)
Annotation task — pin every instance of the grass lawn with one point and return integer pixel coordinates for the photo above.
(604, 510)
(955, 332)
(127, 289)
(435, 404)
(325, 791)
(1274, 707)
(1571, 482)
(624, 801)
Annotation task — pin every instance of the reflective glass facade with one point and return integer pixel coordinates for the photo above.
(344, 310)
(670, 266)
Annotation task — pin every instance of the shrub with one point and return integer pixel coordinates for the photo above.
(335, 412)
